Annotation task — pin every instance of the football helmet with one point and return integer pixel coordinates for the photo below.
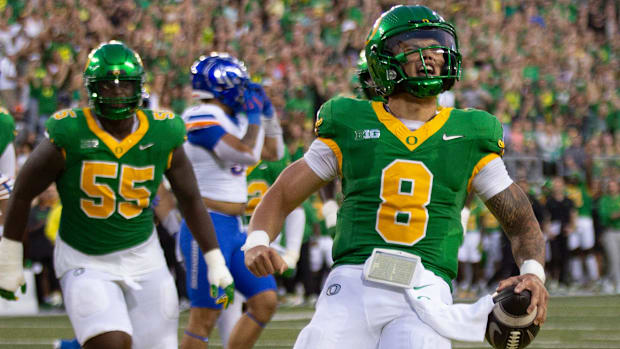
(366, 84)
(114, 79)
(220, 76)
(402, 26)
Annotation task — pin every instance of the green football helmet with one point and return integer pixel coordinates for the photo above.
(114, 78)
(402, 26)
(367, 87)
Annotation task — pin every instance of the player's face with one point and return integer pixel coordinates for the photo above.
(433, 58)
(116, 88)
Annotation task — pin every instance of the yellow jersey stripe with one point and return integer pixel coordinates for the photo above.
(335, 148)
(118, 148)
(411, 139)
(479, 166)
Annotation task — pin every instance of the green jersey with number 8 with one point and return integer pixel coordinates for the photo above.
(405, 189)
(107, 186)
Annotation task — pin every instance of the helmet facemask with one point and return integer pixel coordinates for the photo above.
(114, 78)
(423, 62)
(412, 49)
(116, 98)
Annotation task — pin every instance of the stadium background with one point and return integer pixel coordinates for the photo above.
(548, 69)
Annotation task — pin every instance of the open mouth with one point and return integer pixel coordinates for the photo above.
(430, 70)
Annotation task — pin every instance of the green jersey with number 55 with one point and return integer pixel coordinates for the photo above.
(405, 189)
(107, 186)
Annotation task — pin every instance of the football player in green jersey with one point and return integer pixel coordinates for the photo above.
(108, 161)
(406, 168)
(7, 160)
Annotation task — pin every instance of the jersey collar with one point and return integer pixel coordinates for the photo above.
(118, 148)
(411, 139)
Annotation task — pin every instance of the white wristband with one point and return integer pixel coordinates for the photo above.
(531, 266)
(256, 238)
(214, 257)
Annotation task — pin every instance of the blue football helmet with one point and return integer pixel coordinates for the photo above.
(220, 76)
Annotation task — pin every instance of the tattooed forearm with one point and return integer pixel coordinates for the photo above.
(514, 211)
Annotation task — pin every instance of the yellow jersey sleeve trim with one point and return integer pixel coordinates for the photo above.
(479, 166)
(249, 169)
(118, 148)
(335, 148)
(411, 139)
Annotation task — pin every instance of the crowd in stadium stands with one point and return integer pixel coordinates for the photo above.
(548, 69)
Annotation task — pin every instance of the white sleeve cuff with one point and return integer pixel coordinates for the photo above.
(322, 160)
(492, 179)
(256, 238)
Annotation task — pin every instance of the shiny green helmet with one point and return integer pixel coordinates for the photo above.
(366, 89)
(392, 40)
(114, 78)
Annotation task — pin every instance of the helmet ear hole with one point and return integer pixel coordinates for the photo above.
(391, 74)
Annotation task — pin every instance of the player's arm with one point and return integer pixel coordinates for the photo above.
(43, 166)
(204, 131)
(273, 148)
(514, 211)
(183, 183)
(295, 184)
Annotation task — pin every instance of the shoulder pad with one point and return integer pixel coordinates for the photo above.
(60, 126)
(486, 128)
(333, 113)
(174, 127)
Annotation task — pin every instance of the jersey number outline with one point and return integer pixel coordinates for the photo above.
(402, 217)
(256, 190)
(136, 198)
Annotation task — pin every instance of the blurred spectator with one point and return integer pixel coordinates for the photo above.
(562, 217)
(609, 210)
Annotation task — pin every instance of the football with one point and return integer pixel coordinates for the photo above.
(509, 326)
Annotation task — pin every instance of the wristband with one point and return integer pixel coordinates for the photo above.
(256, 238)
(214, 257)
(531, 266)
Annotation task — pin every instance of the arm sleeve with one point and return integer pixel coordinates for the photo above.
(491, 179)
(225, 151)
(322, 160)
(206, 137)
(294, 226)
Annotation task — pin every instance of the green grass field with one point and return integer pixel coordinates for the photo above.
(591, 322)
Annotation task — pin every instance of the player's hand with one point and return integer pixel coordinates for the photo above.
(219, 277)
(253, 105)
(290, 258)
(263, 260)
(267, 110)
(540, 296)
(11, 268)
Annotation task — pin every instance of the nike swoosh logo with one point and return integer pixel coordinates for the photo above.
(142, 147)
(449, 138)
(420, 287)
